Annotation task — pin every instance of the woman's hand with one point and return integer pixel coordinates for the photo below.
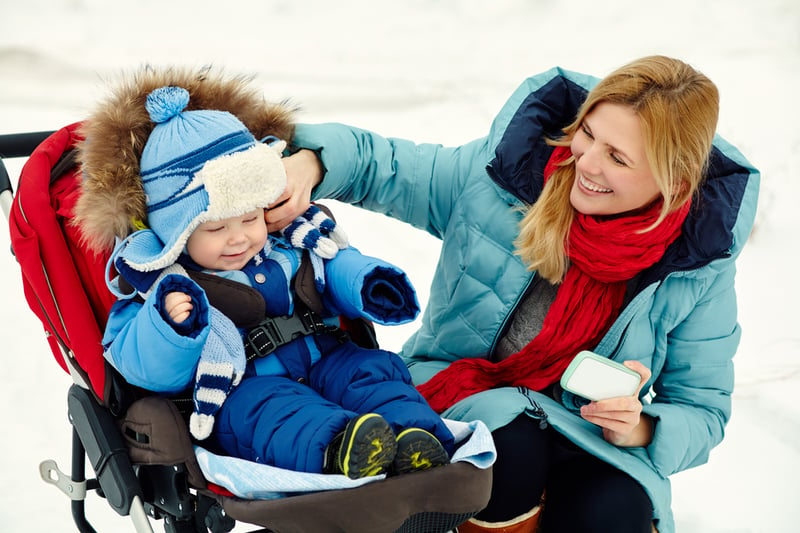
(621, 418)
(178, 305)
(303, 173)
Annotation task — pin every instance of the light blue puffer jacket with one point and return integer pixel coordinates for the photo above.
(681, 317)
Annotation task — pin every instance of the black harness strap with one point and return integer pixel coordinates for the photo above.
(273, 332)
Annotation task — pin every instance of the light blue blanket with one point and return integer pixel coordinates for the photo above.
(254, 481)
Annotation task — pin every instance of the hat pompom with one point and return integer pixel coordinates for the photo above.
(166, 102)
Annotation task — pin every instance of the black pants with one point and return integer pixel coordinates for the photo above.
(583, 492)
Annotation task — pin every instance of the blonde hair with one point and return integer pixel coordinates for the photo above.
(678, 109)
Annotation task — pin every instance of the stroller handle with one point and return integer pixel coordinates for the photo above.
(21, 144)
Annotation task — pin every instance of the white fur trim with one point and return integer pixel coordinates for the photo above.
(243, 181)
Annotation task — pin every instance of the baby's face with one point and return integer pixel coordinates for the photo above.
(228, 244)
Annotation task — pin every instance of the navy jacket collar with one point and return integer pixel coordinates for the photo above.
(521, 155)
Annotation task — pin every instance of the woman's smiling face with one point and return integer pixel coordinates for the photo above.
(612, 173)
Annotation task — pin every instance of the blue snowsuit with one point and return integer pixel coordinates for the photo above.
(291, 403)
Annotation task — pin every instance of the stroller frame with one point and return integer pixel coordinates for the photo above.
(96, 435)
(143, 483)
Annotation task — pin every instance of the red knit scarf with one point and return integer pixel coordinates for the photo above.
(604, 254)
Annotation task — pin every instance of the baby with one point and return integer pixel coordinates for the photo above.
(306, 399)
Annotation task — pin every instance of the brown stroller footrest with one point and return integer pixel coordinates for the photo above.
(429, 501)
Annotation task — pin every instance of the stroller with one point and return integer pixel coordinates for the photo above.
(138, 444)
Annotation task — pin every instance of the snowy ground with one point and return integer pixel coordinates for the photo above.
(436, 71)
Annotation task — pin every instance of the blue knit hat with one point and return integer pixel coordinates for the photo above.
(197, 166)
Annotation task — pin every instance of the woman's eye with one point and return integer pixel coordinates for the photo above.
(617, 160)
(249, 220)
(586, 131)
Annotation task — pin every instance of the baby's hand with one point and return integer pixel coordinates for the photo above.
(178, 305)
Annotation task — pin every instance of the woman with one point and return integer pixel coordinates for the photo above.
(599, 215)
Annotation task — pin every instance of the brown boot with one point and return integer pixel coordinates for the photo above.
(525, 523)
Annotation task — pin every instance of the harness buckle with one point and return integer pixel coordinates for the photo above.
(273, 332)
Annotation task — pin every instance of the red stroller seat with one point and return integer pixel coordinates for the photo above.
(138, 444)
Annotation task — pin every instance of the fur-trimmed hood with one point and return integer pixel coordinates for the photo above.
(116, 132)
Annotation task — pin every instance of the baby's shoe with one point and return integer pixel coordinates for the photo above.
(366, 447)
(418, 450)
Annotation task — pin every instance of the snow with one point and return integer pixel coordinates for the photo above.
(433, 71)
